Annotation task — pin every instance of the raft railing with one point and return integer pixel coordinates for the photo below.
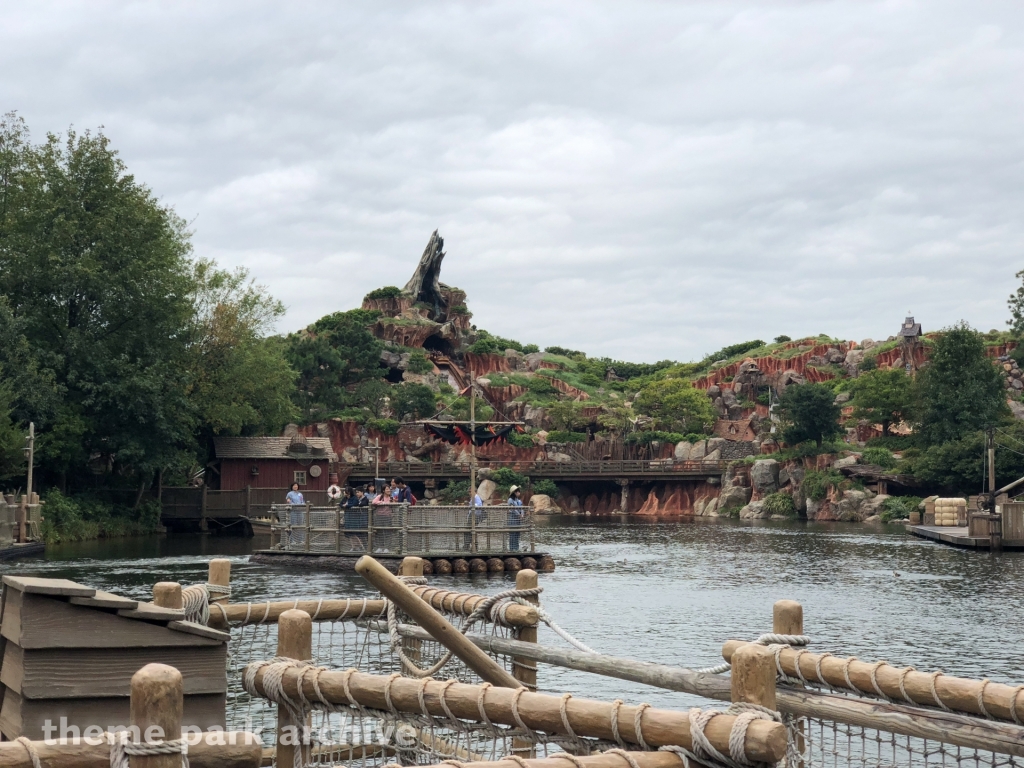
(404, 529)
(839, 711)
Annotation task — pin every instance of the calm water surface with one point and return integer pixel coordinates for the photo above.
(672, 592)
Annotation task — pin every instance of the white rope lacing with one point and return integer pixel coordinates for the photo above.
(774, 641)
(704, 751)
(493, 607)
(121, 748)
(196, 600)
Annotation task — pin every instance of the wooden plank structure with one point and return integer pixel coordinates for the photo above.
(69, 651)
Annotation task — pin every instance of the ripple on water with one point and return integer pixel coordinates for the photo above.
(673, 591)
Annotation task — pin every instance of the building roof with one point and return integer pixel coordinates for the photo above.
(910, 328)
(272, 448)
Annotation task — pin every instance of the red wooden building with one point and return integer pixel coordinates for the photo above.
(274, 462)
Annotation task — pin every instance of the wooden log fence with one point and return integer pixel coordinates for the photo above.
(765, 741)
(611, 759)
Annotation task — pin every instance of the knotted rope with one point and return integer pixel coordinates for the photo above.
(121, 748)
(704, 751)
(196, 600)
(774, 641)
(493, 607)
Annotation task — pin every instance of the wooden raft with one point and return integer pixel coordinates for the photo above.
(69, 651)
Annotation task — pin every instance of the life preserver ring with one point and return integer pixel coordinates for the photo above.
(334, 492)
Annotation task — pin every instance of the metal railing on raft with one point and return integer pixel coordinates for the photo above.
(403, 529)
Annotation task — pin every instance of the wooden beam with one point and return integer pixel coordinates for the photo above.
(233, 749)
(434, 623)
(765, 741)
(604, 760)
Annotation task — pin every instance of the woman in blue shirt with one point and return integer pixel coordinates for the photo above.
(515, 516)
(294, 497)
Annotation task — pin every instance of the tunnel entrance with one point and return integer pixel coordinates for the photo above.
(436, 343)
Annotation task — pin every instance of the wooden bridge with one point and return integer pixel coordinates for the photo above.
(213, 509)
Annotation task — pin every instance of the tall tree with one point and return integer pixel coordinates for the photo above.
(960, 391)
(882, 396)
(809, 412)
(98, 271)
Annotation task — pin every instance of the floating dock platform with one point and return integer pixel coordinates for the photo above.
(958, 536)
(458, 564)
(28, 549)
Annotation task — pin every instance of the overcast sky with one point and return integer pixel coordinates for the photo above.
(641, 180)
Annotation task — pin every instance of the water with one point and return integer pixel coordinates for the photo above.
(672, 592)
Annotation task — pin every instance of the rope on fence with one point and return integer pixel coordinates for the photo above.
(196, 600)
(774, 641)
(121, 748)
(703, 750)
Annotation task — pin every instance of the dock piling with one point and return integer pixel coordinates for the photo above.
(167, 594)
(294, 641)
(157, 702)
(220, 576)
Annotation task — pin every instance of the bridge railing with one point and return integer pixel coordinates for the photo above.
(403, 529)
(612, 468)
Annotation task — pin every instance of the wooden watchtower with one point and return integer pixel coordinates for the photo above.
(910, 343)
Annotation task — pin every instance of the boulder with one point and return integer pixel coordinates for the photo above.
(486, 490)
(516, 360)
(729, 397)
(698, 450)
(846, 461)
(735, 412)
(754, 511)
(698, 506)
(850, 507)
(843, 397)
(390, 359)
(716, 444)
(868, 344)
(715, 455)
(711, 508)
(1016, 408)
(764, 476)
(714, 391)
(542, 437)
(533, 360)
(682, 451)
(835, 356)
(853, 360)
(733, 497)
(541, 502)
(565, 458)
(1017, 384)
(788, 378)
(535, 417)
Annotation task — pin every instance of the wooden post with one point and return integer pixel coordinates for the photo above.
(369, 530)
(488, 669)
(157, 698)
(22, 517)
(788, 619)
(753, 676)
(309, 506)
(294, 641)
(219, 575)
(167, 594)
(412, 566)
(204, 527)
(525, 670)
(248, 500)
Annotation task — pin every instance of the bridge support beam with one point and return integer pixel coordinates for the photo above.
(623, 496)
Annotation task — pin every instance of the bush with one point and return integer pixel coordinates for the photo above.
(560, 436)
(418, 363)
(459, 309)
(817, 483)
(546, 487)
(385, 426)
(646, 438)
(81, 518)
(520, 440)
(867, 364)
(387, 292)
(782, 339)
(892, 442)
(879, 457)
(455, 493)
(564, 352)
(899, 507)
(529, 349)
(485, 346)
(780, 503)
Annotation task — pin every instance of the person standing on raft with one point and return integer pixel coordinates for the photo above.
(515, 516)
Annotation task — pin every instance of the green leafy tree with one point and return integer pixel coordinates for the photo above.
(567, 415)
(809, 412)
(413, 400)
(960, 391)
(98, 272)
(372, 395)
(331, 354)
(676, 406)
(240, 381)
(883, 396)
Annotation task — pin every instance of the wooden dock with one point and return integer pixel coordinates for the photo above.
(28, 549)
(958, 537)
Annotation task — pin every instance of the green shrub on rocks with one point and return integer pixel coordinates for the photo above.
(878, 456)
(780, 503)
(817, 483)
(899, 507)
(561, 436)
(387, 292)
(546, 487)
(520, 440)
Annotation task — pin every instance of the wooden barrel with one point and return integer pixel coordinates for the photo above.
(512, 564)
(530, 562)
(477, 565)
(442, 567)
(428, 568)
(460, 566)
(495, 565)
(546, 564)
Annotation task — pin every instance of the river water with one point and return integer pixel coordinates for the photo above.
(673, 591)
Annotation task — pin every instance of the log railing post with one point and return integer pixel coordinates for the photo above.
(167, 594)
(157, 698)
(219, 576)
(413, 648)
(369, 529)
(788, 619)
(525, 670)
(753, 676)
(294, 641)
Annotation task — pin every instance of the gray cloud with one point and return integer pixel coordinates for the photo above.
(643, 180)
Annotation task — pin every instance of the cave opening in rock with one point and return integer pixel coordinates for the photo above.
(394, 375)
(436, 343)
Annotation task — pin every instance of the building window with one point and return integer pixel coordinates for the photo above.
(300, 477)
